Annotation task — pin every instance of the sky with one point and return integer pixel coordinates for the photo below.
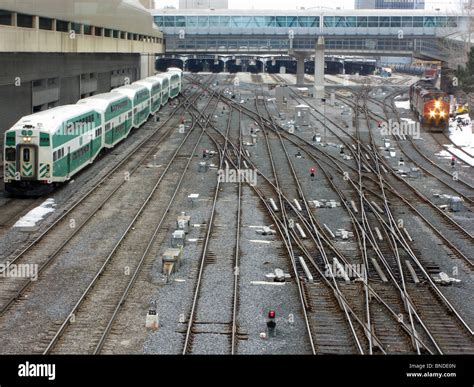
(293, 4)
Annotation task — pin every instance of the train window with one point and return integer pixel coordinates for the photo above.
(26, 155)
(10, 154)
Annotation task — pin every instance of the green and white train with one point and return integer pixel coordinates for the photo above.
(48, 148)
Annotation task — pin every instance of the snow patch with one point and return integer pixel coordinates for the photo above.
(403, 104)
(36, 214)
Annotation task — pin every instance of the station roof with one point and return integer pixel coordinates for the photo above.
(124, 15)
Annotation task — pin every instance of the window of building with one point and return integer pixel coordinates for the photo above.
(281, 21)
(373, 21)
(76, 27)
(235, 21)
(340, 21)
(45, 23)
(180, 21)
(351, 21)
(214, 21)
(384, 21)
(159, 21)
(329, 21)
(361, 21)
(169, 21)
(203, 21)
(224, 21)
(25, 21)
(191, 21)
(407, 21)
(5, 18)
(418, 21)
(62, 26)
(395, 21)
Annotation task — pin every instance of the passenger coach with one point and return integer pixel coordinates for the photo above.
(49, 147)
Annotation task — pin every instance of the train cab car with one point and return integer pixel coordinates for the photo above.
(154, 87)
(140, 97)
(165, 87)
(117, 115)
(48, 147)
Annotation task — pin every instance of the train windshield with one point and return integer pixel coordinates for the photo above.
(26, 155)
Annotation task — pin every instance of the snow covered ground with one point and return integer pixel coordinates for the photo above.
(463, 137)
(403, 104)
(36, 214)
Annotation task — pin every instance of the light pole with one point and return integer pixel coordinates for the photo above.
(323, 100)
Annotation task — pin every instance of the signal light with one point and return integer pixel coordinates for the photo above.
(271, 314)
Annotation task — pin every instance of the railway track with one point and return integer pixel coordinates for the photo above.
(215, 330)
(428, 335)
(90, 321)
(442, 138)
(283, 231)
(435, 218)
(44, 251)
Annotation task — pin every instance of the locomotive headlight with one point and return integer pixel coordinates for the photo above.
(442, 114)
(432, 113)
(437, 104)
(26, 139)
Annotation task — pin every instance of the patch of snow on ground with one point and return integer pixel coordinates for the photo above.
(403, 104)
(463, 137)
(36, 214)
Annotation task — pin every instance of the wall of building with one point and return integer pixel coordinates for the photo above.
(32, 82)
(16, 39)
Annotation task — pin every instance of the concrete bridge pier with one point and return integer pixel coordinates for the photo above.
(300, 57)
(300, 69)
(319, 68)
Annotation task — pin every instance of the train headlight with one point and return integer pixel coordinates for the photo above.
(26, 139)
(432, 113)
(437, 104)
(442, 114)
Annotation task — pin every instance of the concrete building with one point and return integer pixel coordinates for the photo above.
(55, 52)
(148, 4)
(203, 4)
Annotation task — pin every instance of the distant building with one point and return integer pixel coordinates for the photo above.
(148, 4)
(203, 4)
(390, 4)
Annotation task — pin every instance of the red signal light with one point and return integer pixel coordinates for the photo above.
(271, 314)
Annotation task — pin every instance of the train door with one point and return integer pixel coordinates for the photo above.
(68, 161)
(28, 162)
